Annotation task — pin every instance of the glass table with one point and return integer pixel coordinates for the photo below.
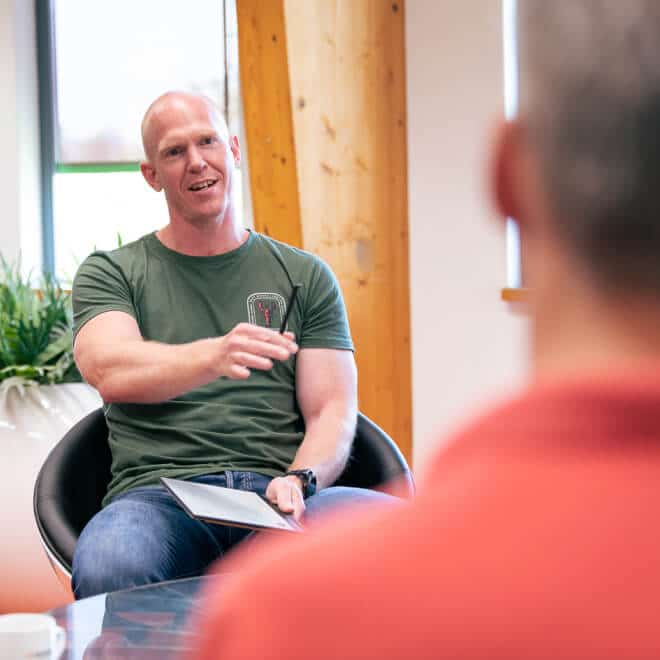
(143, 622)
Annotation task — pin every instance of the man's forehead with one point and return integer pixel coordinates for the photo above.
(192, 130)
(181, 114)
(181, 118)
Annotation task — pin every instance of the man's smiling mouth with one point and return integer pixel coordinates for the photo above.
(202, 185)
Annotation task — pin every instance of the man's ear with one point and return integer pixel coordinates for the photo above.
(150, 176)
(517, 182)
(504, 169)
(235, 149)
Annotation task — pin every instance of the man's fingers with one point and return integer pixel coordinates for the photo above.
(298, 506)
(271, 345)
(286, 340)
(268, 350)
(292, 501)
(286, 496)
(267, 335)
(238, 372)
(252, 361)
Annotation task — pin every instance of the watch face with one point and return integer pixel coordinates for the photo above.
(305, 478)
(310, 485)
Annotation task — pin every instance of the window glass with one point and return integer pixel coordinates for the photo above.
(114, 58)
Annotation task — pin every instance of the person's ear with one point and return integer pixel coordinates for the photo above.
(504, 169)
(150, 176)
(235, 149)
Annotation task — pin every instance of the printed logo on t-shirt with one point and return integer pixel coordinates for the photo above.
(266, 309)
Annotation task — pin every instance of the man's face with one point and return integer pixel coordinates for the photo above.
(191, 159)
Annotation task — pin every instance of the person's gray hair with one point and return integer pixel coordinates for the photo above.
(590, 96)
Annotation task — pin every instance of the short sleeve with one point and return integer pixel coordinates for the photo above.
(325, 323)
(99, 286)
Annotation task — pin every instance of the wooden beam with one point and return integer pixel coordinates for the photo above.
(267, 115)
(347, 74)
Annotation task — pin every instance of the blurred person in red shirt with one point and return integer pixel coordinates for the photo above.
(533, 534)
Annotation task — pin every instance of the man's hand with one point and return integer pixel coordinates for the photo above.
(286, 494)
(249, 347)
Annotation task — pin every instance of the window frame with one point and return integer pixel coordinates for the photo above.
(514, 290)
(45, 35)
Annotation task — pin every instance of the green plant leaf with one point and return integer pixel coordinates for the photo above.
(56, 347)
(36, 337)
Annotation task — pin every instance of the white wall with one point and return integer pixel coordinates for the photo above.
(20, 222)
(468, 347)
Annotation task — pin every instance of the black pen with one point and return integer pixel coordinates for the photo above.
(289, 307)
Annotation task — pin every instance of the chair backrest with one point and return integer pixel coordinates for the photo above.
(375, 460)
(71, 485)
(74, 478)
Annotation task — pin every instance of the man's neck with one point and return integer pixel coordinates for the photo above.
(203, 239)
(580, 331)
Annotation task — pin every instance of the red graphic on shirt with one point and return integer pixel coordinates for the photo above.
(266, 308)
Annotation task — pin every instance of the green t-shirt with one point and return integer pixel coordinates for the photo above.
(252, 424)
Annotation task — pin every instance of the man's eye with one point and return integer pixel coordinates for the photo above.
(174, 151)
(208, 140)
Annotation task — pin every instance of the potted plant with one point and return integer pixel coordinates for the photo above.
(35, 331)
(41, 397)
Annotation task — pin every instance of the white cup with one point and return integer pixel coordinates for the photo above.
(30, 636)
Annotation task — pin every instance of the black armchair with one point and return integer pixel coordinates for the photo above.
(74, 478)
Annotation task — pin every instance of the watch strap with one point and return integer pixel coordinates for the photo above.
(307, 478)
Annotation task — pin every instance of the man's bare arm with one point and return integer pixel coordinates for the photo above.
(326, 386)
(114, 358)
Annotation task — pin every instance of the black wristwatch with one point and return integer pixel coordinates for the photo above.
(307, 478)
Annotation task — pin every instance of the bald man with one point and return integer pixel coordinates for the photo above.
(178, 331)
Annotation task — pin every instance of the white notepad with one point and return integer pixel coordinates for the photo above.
(229, 506)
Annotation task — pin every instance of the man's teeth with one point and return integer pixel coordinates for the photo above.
(202, 186)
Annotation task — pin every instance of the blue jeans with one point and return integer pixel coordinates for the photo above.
(144, 536)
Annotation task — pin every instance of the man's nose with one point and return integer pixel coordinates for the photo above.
(196, 160)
